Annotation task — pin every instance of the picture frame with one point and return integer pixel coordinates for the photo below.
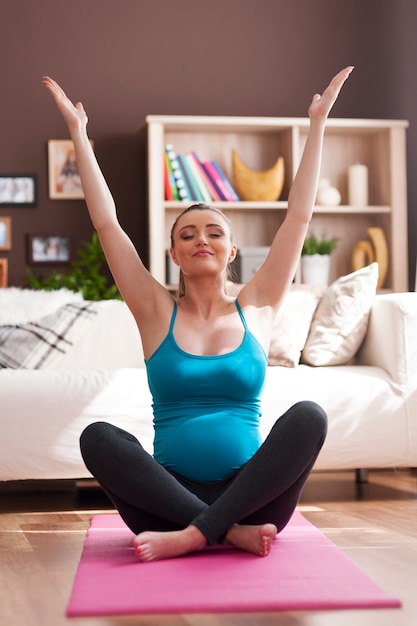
(49, 249)
(5, 233)
(3, 273)
(18, 190)
(64, 179)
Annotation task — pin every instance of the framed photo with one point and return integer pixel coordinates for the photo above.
(49, 249)
(5, 233)
(18, 190)
(3, 273)
(64, 179)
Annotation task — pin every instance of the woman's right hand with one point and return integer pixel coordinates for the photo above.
(74, 115)
(321, 104)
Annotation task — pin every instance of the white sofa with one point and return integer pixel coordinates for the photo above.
(371, 402)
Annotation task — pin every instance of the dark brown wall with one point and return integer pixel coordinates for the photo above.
(128, 58)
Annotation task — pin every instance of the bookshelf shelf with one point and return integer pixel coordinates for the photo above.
(379, 144)
(276, 206)
(231, 206)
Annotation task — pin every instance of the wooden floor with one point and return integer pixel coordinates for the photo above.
(42, 535)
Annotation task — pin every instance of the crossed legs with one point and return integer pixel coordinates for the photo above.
(172, 515)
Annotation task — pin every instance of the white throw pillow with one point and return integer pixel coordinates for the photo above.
(21, 306)
(292, 323)
(341, 319)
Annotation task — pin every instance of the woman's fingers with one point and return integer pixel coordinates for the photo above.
(321, 105)
(73, 115)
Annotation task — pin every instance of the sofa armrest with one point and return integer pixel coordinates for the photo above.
(391, 339)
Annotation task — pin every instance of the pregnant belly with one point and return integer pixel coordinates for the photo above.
(206, 448)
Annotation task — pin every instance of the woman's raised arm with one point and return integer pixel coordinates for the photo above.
(271, 282)
(134, 281)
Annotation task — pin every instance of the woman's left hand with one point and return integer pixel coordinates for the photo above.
(321, 104)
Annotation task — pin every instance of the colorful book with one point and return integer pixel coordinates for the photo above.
(195, 172)
(181, 183)
(171, 178)
(167, 186)
(207, 181)
(212, 177)
(186, 177)
(215, 176)
(195, 196)
(226, 182)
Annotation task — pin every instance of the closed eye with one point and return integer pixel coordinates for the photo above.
(214, 231)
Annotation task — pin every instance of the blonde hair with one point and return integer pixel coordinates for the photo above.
(199, 207)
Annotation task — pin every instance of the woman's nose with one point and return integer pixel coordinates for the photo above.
(201, 239)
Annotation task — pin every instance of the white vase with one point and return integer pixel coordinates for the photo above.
(327, 195)
(315, 269)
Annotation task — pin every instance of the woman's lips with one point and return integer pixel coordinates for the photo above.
(203, 253)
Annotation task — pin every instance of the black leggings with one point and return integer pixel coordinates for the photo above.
(266, 489)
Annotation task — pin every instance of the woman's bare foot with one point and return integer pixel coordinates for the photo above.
(256, 539)
(152, 546)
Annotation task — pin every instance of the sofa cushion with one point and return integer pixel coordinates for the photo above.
(341, 319)
(292, 322)
(22, 306)
(43, 342)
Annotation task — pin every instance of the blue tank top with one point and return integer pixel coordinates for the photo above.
(206, 408)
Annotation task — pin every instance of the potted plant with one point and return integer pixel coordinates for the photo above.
(315, 259)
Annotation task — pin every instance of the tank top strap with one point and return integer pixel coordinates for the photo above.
(242, 317)
(173, 317)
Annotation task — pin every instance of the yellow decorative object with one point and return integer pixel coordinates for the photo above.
(379, 243)
(258, 186)
(362, 255)
(366, 252)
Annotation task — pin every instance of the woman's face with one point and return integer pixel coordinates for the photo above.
(202, 243)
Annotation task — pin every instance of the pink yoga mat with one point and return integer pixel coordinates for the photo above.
(304, 571)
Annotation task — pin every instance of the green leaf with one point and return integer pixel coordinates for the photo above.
(313, 245)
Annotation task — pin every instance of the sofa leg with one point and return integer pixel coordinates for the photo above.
(361, 475)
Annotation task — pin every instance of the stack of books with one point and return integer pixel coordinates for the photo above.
(188, 178)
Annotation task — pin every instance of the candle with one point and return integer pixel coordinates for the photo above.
(358, 185)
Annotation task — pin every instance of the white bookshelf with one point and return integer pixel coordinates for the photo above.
(379, 144)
